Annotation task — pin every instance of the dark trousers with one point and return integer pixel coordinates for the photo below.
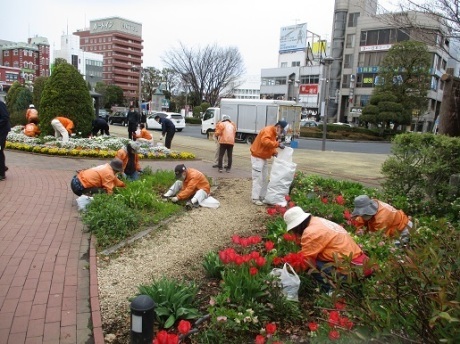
(168, 138)
(2, 153)
(102, 130)
(224, 147)
(132, 127)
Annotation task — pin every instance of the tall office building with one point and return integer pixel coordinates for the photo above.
(120, 42)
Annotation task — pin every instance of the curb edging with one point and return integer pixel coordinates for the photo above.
(96, 318)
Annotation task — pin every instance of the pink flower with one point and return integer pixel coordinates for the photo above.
(221, 319)
(270, 328)
(260, 339)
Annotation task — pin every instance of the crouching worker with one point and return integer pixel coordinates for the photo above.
(191, 186)
(31, 129)
(130, 159)
(99, 179)
(323, 242)
(378, 216)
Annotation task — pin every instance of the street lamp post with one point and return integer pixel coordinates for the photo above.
(139, 68)
(327, 62)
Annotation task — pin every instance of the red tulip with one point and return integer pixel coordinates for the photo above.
(287, 198)
(324, 200)
(313, 326)
(340, 305)
(253, 271)
(340, 200)
(184, 326)
(161, 337)
(260, 339)
(236, 239)
(260, 261)
(270, 328)
(269, 245)
(334, 335)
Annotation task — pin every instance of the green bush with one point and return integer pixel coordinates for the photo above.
(66, 95)
(193, 120)
(419, 171)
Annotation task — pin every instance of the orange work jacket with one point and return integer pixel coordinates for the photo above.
(325, 240)
(101, 176)
(31, 114)
(31, 130)
(265, 144)
(67, 123)
(144, 134)
(387, 219)
(194, 181)
(226, 131)
(122, 154)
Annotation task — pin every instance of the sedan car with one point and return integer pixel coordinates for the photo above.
(308, 124)
(119, 117)
(177, 118)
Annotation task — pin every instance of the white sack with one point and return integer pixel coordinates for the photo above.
(281, 177)
(210, 202)
(83, 201)
(289, 280)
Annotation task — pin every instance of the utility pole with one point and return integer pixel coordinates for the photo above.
(327, 62)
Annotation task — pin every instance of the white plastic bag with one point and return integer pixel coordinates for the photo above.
(289, 280)
(83, 201)
(281, 177)
(210, 202)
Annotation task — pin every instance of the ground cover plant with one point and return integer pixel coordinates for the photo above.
(97, 147)
(412, 297)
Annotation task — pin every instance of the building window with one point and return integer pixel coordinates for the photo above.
(348, 61)
(346, 81)
(295, 63)
(363, 100)
(353, 19)
(350, 41)
(16, 64)
(309, 79)
(86, 40)
(15, 52)
(434, 83)
(7, 64)
(6, 53)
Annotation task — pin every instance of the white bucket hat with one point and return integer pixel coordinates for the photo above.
(365, 206)
(294, 217)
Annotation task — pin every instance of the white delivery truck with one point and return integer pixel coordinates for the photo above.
(251, 115)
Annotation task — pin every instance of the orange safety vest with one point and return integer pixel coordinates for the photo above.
(194, 181)
(265, 144)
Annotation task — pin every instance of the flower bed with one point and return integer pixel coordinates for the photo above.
(97, 147)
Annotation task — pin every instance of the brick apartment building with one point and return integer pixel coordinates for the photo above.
(23, 62)
(120, 42)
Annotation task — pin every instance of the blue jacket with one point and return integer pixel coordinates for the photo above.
(167, 126)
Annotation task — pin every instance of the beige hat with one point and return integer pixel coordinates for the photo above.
(294, 217)
(135, 146)
(117, 165)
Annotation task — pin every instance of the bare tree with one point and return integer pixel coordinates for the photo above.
(207, 71)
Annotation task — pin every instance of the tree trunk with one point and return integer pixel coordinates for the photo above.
(449, 120)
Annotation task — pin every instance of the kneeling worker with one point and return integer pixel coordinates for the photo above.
(98, 179)
(191, 185)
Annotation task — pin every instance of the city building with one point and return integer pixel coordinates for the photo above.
(120, 42)
(88, 64)
(248, 89)
(23, 62)
(360, 39)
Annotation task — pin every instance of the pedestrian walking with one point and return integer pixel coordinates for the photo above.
(168, 130)
(62, 127)
(134, 119)
(264, 148)
(5, 128)
(225, 132)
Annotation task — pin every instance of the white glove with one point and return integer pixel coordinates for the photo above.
(174, 199)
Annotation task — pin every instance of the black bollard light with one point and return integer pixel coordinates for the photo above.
(142, 318)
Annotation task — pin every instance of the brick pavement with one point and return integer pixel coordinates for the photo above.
(48, 280)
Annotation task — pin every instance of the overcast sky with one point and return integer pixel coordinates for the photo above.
(253, 26)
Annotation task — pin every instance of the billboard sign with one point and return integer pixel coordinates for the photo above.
(293, 38)
(308, 89)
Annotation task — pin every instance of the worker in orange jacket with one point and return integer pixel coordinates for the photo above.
(98, 179)
(225, 132)
(32, 114)
(262, 149)
(191, 186)
(376, 216)
(144, 135)
(31, 129)
(323, 242)
(130, 159)
(62, 127)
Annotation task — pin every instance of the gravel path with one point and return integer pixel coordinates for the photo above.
(174, 250)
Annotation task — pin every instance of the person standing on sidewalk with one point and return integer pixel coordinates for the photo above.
(168, 129)
(5, 128)
(225, 132)
(134, 119)
(216, 156)
(262, 149)
(62, 127)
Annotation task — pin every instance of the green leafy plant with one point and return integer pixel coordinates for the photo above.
(212, 265)
(174, 300)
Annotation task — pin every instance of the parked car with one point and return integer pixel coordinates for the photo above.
(343, 124)
(308, 124)
(119, 117)
(103, 113)
(177, 118)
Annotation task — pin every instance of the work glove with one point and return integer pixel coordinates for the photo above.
(174, 199)
(405, 237)
(281, 146)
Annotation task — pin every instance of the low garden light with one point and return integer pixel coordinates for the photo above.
(142, 319)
